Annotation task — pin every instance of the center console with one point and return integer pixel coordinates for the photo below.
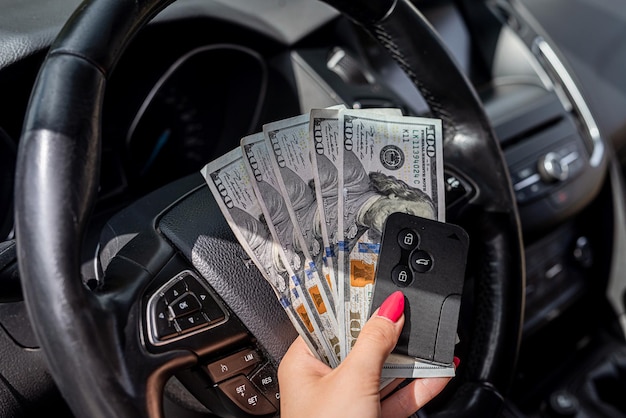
(572, 360)
(556, 158)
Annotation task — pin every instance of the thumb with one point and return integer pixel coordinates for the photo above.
(379, 335)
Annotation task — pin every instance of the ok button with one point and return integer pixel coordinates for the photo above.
(184, 305)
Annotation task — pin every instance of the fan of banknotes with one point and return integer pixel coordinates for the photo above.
(307, 199)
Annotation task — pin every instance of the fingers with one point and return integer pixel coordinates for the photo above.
(379, 335)
(413, 396)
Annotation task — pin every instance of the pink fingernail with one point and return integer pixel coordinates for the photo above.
(393, 307)
(456, 361)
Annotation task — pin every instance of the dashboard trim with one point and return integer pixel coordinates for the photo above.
(547, 55)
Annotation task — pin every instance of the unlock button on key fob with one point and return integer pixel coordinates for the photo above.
(408, 239)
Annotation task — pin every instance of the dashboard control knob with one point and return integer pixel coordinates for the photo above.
(562, 404)
(551, 168)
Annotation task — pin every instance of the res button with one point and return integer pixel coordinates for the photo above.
(267, 381)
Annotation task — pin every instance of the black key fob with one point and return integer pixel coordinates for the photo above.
(426, 260)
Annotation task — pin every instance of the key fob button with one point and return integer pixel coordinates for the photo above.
(408, 239)
(421, 261)
(402, 276)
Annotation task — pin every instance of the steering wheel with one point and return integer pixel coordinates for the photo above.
(96, 342)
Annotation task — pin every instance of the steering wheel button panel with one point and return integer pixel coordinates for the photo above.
(244, 394)
(182, 307)
(242, 362)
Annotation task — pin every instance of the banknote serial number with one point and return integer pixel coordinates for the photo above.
(409, 135)
(428, 147)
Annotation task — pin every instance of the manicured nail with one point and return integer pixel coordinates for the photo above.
(393, 307)
(456, 361)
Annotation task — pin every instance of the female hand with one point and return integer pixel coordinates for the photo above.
(310, 388)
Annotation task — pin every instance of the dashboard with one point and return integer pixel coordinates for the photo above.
(173, 102)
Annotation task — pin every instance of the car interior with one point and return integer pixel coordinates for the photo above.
(110, 109)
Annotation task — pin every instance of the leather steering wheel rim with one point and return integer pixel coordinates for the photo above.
(59, 148)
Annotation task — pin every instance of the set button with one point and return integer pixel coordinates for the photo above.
(244, 394)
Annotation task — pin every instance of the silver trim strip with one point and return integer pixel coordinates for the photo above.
(528, 181)
(569, 158)
(542, 48)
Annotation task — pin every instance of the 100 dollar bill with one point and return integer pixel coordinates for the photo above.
(327, 160)
(390, 164)
(290, 146)
(276, 212)
(228, 180)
